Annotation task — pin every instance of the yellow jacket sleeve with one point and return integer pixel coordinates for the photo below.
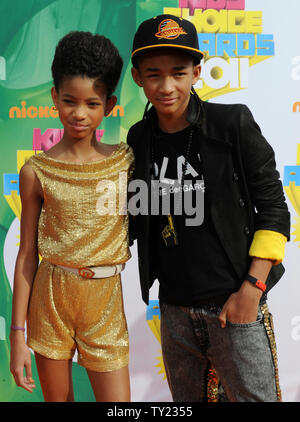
(268, 244)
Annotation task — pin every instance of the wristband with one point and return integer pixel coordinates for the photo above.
(16, 328)
(258, 283)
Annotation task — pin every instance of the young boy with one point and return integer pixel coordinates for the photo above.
(215, 268)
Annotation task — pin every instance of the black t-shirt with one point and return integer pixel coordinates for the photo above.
(197, 268)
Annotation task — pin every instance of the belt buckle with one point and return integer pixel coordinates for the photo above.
(86, 272)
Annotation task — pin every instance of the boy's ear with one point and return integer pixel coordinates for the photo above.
(110, 103)
(196, 73)
(136, 76)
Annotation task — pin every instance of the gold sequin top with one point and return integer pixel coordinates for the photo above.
(83, 220)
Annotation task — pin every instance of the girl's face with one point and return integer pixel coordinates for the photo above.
(81, 103)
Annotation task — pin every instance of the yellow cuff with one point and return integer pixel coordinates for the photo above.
(268, 244)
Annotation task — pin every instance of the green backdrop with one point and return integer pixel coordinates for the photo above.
(29, 32)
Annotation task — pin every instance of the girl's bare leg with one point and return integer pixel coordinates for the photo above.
(55, 378)
(111, 386)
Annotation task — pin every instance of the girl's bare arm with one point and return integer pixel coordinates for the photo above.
(26, 266)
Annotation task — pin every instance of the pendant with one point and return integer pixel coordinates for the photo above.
(169, 233)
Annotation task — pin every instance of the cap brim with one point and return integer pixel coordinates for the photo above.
(193, 51)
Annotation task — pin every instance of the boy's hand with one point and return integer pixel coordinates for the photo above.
(242, 306)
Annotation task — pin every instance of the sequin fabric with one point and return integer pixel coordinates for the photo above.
(212, 385)
(268, 323)
(83, 222)
(66, 311)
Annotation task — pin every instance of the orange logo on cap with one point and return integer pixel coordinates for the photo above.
(169, 29)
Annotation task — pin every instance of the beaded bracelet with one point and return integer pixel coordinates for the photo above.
(16, 327)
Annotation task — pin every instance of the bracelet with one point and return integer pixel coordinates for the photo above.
(258, 283)
(16, 328)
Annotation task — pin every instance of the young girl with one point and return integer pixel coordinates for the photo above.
(73, 299)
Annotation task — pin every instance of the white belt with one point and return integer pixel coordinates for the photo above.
(95, 272)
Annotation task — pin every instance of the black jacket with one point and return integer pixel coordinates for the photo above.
(239, 169)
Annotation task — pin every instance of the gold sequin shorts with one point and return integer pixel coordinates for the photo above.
(68, 312)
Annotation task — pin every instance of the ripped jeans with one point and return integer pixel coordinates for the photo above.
(205, 362)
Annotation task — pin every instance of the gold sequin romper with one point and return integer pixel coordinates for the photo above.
(66, 311)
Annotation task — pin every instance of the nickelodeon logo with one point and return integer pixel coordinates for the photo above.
(34, 112)
(296, 106)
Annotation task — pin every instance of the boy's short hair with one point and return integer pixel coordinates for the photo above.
(83, 54)
(166, 31)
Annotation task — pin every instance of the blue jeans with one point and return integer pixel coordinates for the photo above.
(201, 358)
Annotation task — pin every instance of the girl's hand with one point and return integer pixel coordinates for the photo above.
(20, 359)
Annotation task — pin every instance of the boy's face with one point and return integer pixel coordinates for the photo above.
(81, 103)
(167, 79)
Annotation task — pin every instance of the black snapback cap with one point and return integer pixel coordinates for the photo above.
(166, 31)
